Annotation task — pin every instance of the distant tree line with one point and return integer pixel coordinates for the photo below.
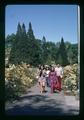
(25, 47)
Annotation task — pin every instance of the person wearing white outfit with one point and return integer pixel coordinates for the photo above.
(59, 71)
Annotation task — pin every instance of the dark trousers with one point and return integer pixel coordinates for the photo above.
(48, 81)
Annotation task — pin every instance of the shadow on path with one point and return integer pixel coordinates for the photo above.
(39, 105)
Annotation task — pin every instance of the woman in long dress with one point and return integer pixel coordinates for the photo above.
(53, 79)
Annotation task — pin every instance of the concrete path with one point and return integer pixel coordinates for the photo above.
(35, 103)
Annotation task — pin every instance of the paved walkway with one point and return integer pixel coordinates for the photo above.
(35, 103)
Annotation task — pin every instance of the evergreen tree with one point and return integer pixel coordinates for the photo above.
(9, 40)
(14, 54)
(24, 38)
(63, 53)
(19, 31)
(44, 50)
(19, 49)
(23, 30)
(24, 47)
(72, 52)
(30, 33)
(44, 39)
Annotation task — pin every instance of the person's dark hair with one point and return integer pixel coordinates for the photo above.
(39, 67)
(41, 73)
(43, 66)
(53, 69)
(50, 66)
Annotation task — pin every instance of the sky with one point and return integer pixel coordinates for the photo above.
(51, 21)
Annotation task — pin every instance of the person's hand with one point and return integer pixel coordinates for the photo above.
(61, 76)
(37, 77)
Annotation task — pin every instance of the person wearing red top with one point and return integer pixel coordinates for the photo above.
(53, 79)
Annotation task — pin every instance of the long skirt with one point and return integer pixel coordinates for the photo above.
(59, 84)
(56, 85)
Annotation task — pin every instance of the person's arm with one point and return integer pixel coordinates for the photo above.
(62, 71)
(49, 75)
(56, 75)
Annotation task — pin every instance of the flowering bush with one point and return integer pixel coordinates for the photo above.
(70, 80)
(18, 79)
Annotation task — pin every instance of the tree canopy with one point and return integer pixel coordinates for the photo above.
(25, 47)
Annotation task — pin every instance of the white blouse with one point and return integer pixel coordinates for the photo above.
(59, 71)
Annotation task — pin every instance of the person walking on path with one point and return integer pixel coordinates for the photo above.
(53, 79)
(47, 77)
(59, 71)
(42, 79)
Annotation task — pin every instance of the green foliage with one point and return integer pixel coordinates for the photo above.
(30, 32)
(9, 40)
(62, 54)
(72, 52)
(18, 80)
(26, 48)
(13, 89)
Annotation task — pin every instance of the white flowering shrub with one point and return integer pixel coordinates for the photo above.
(17, 80)
(70, 80)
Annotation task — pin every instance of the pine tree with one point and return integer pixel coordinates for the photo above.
(19, 48)
(30, 33)
(19, 30)
(23, 30)
(34, 48)
(13, 54)
(44, 39)
(44, 50)
(63, 53)
(24, 36)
